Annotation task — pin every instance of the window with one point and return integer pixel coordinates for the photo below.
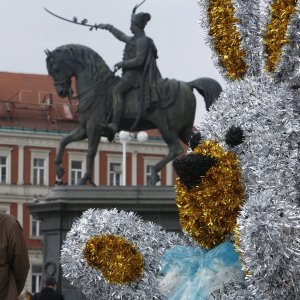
(114, 169)
(76, 171)
(77, 166)
(5, 209)
(148, 174)
(38, 171)
(5, 167)
(36, 278)
(148, 164)
(34, 228)
(115, 173)
(40, 165)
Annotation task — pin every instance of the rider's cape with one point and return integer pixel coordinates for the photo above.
(156, 91)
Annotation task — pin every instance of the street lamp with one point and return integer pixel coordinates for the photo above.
(125, 137)
(142, 136)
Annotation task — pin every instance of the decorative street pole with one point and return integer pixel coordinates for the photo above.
(142, 136)
(125, 137)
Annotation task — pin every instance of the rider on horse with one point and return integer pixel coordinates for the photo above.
(139, 67)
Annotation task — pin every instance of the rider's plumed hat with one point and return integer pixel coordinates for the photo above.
(141, 19)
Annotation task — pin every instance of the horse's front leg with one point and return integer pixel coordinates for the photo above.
(77, 134)
(175, 149)
(93, 142)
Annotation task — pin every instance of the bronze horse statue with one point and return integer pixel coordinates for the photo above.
(94, 82)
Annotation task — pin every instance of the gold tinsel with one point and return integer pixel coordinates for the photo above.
(237, 240)
(117, 259)
(276, 34)
(226, 38)
(238, 249)
(208, 211)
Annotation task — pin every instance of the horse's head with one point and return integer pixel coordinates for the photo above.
(60, 69)
(70, 60)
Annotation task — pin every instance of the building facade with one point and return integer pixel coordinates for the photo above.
(32, 122)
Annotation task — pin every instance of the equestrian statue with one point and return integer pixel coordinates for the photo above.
(141, 99)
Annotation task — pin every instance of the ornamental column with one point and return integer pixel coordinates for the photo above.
(21, 165)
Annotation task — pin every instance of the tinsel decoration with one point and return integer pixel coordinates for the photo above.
(233, 290)
(271, 259)
(267, 110)
(118, 260)
(110, 254)
(247, 12)
(226, 38)
(186, 169)
(275, 36)
(234, 136)
(195, 140)
(242, 18)
(287, 67)
(268, 223)
(208, 211)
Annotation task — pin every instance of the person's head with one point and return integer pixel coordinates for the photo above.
(50, 282)
(139, 21)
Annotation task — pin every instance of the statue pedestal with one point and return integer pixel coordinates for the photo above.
(66, 203)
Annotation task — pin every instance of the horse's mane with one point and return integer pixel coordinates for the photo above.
(84, 56)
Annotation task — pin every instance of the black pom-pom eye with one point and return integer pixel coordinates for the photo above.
(190, 168)
(234, 136)
(195, 140)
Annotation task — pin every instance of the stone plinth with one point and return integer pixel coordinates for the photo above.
(66, 203)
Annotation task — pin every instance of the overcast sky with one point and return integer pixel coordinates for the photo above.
(27, 30)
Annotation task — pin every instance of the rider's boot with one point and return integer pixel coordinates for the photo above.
(117, 113)
(113, 127)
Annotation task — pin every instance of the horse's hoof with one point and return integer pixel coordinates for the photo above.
(154, 178)
(59, 182)
(81, 181)
(108, 132)
(60, 172)
(90, 182)
(110, 136)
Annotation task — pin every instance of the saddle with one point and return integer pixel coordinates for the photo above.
(161, 95)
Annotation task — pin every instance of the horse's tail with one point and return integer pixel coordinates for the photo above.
(208, 88)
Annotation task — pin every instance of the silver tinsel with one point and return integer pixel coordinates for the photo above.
(288, 67)
(270, 240)
(269, 159)
(246, 11)
(268, 113)
(234, 290)
(151, 241)
(253, 16)
(203, 21)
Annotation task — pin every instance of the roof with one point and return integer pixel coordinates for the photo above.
(29, 101)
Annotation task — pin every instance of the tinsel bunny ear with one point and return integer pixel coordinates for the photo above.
(233, 34)
(281, 38)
